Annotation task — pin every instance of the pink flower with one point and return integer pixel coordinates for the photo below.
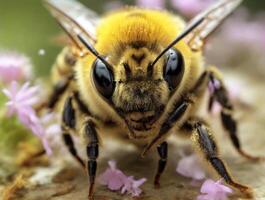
(14, 67)
(131, 186)
(151, 3)
(116, 180)
(189, 166)
(214, 190)
(190, 8)
(113, 178)
(20, 99)
(20, 103)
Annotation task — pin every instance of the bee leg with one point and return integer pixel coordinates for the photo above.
(204, 142)
(92, 153)
(220, 94)
(69, 123)
(68, 140)
(162, 151)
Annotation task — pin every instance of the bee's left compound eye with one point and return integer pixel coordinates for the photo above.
(174, 68)
(103, 79)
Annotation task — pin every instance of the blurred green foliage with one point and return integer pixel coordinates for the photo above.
(27, 27)
(12, 133)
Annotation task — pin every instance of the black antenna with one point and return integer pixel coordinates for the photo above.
(180, 37)
(92, 50)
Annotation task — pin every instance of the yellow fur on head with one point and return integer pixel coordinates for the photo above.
(134, 24)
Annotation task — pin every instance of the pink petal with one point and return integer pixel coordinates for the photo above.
(208, 186)
(105, 177)
(214, 191)
(47, 147)
(112, 177)
(189, 166)
(7, 93)
(116, 182)
(139, 182)
(112, 165)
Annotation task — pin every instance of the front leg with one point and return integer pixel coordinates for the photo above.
(68, 126)
(92, 154)
(203, 141)
(88, 131)
(162, 151)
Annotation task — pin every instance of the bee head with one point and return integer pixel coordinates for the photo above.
(136, 88)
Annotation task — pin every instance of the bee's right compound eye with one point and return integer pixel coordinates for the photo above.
(103, 79)
(174, 68)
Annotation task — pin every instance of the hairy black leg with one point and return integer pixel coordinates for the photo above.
(204, 141)
(69, 122)
(220, 94)
(92, 153)
(162, 151)
(68, 140)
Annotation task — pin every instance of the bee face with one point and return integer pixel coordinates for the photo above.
(138, 90)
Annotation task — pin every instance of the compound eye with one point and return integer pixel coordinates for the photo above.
(174, 68)
(103, 79)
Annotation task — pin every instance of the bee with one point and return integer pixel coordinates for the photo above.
(139, 75)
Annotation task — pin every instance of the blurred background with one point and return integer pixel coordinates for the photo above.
(27, 27)
(29, 37)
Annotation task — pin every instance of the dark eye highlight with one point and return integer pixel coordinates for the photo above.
(174, 68)
(103, 79)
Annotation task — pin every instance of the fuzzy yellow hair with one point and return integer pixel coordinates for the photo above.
(134, 24)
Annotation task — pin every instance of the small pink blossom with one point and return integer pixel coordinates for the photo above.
(113, 178)
(116, 180)
(190, 8)
(151, 3)
(189, 166)
(14, 67)
(214, 190)
(21, 100)
(131, 186)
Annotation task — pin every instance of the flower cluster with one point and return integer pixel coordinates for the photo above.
(14, 70)
(116, 180)
(21, 100)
